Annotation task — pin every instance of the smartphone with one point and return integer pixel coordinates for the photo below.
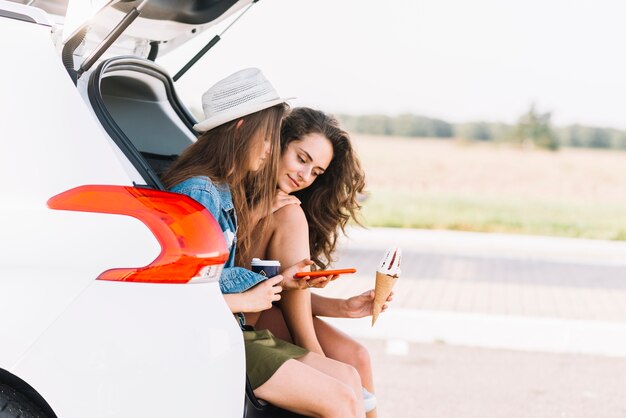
(319, 273)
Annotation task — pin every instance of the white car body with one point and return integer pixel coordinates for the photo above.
(87, 347)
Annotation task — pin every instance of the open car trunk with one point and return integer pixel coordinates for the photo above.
(135, 99)
(113, 45)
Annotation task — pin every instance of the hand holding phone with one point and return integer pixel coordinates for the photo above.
(320, 273)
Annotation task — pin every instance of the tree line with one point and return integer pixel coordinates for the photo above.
(533, 128)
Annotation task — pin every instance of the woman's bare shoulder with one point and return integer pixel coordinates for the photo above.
(292, 214)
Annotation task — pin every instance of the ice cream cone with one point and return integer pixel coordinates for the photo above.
(384, 284)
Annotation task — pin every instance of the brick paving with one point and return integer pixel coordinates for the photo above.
(492, 283)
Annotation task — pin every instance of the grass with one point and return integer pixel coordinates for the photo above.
(405, 210)
(434, 184)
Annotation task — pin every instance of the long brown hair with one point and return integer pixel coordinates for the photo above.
(332, 199)
(223, 155)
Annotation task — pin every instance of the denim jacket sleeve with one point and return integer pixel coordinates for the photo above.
(238, 279)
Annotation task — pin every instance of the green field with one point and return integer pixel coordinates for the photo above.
(495, 215)
(441, 185)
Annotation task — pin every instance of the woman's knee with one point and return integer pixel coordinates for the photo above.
(343, 404)
(361, 356)
(354, 353)
(350, 375)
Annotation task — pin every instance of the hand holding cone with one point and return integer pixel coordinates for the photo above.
(386, 276)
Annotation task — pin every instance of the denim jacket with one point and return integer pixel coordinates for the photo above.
(218, 200)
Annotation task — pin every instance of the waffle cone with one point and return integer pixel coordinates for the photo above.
(384, 284)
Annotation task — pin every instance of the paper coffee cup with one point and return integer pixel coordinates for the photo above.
(267, 268)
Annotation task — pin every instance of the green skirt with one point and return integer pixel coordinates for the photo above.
(265, 354)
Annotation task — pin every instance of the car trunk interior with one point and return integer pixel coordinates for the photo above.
(137, 105)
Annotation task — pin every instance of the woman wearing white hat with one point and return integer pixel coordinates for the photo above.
(232, 171)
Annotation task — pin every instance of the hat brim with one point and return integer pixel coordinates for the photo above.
(222, 118)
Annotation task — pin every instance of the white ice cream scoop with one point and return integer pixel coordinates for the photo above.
(390, 264)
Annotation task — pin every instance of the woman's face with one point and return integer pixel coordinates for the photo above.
(302, 161)
(260, 151)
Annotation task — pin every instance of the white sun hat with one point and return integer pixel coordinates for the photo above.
(240, 94)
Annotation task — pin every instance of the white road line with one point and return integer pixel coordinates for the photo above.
(397, 347)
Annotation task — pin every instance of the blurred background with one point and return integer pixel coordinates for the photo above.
(493, 138)
(479, 116)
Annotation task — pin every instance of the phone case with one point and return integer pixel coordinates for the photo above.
(319, 273)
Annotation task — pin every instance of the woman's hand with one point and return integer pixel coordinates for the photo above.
(282, 199)
(361, 305)
(261, 296)
(318, 282)
(291, 282)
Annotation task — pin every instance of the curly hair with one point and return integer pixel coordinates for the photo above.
(332, 200)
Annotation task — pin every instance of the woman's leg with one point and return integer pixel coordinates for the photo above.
(341, 347)
(336, 345)
(315, 385)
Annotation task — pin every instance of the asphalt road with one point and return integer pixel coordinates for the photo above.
(513, 283)
(441, 381)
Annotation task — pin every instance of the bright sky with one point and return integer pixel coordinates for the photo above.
(457, 60)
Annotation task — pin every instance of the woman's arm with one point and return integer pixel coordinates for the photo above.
(330, 307)
(290, 244)
(355, 307)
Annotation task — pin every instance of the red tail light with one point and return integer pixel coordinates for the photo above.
(190, 238)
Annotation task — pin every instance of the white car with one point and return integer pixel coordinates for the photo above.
(109, 293)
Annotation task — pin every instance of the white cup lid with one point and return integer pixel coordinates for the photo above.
(259, 262)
